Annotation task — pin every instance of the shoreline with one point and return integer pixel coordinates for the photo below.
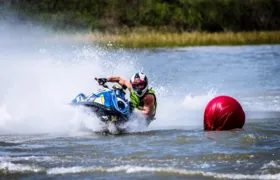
(169, 40)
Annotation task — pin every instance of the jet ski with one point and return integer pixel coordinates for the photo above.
(109, 105)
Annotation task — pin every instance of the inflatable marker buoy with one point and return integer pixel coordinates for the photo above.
(223, 113)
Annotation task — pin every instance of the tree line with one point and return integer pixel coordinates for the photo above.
(168, 15)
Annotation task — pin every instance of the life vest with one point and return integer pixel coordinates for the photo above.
(137, 102)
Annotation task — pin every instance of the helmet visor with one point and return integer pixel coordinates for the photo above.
(139, 86)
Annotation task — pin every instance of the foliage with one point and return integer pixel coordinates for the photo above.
(166, 15)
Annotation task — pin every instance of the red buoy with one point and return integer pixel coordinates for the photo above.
(223, 113)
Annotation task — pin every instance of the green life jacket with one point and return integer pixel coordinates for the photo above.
(137, 102)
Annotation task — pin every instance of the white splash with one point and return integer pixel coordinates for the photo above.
(39, 79)
(40, 73)
(182, 172)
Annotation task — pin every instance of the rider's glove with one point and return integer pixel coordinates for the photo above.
(102, 81)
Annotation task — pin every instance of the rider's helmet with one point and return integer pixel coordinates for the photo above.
(139, 82)
(120, 92)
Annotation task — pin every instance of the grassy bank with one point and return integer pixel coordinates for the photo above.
(161, 39)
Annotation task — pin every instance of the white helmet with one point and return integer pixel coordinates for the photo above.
(139, 82)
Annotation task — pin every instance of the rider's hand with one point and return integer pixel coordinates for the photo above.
(101, 81)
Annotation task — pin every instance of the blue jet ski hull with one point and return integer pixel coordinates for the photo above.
(106, 105)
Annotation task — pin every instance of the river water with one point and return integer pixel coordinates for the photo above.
(42, 137)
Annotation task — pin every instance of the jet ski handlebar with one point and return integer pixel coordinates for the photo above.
(102, 82)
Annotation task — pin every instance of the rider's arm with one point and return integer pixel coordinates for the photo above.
(148, 108)
(119, 80)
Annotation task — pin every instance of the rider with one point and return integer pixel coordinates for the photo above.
(142, 97)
